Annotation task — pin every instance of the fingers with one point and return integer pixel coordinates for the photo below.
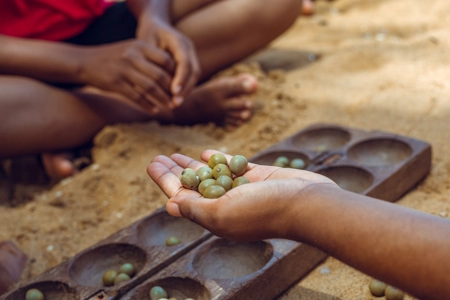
(186, 161)
(153, 71)
(188, 69)
(148, 89)
(165, 173)
(160, 57)
(199, 210)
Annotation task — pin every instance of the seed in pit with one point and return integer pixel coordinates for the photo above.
(172, 241)
(238, 165)
(128, 269)
(189, 179)
(216, 159)
(157, 293)
(121, 277)
(281, 161)
(297, 163)
(34, 294)
(109, 277)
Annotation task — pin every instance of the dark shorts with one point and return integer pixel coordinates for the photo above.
(116, 24)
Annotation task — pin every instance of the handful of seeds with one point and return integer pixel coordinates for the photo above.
(218, 177)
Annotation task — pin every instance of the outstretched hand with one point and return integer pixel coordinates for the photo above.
(249, 212)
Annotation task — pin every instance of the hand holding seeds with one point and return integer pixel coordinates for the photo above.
(243, 212)
(310, 208)
(218, 178)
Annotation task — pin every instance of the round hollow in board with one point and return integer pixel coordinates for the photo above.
(180, 288)
(321, 139)
(224, 259)
(88, 268)
(380, 152)
(269, 158)
(349, 178)
(52, 290)
(154, 230)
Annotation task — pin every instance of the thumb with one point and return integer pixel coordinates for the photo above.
(198, 210)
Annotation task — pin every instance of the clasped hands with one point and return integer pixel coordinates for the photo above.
(157, 70)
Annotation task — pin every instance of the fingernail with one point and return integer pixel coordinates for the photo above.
(248, 104)
(178, 100)
(245, 115)
(173, 209)
(247, 85)
(176, 90)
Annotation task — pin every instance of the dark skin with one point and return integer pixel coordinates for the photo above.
(153, 77)
(155, 70)
(406, 248)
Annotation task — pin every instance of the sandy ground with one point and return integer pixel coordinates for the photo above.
(380, 65)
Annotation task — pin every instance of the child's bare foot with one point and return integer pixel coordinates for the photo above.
(222, 100)
(307, 7)
(58, 165)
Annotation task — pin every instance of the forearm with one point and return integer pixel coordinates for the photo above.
(407, 248)
(48, 61)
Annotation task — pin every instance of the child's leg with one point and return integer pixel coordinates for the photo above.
(227, 31)
(39, 118)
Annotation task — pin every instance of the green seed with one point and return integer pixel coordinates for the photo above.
(157, 293)
(281, 162)
(225, 181)
(214, 191)
(377, 288)
(216, 159)
(240, 181)
(297, 163)
(172, 241)
(121, 277)
(321, 148)
(34, 294)
(204, 173)
(109, 277)
(220, 170)
(189, 179)
(128, 269)
(393, 293)
(238, 165)
(204, 184)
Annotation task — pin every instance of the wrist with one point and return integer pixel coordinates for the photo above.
(82, 65)
(309, 210)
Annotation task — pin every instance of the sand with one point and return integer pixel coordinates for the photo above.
(373, 65)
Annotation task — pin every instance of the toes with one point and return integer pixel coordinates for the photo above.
(58, 166)
(242, 84)
(239, 104)
(307, 7)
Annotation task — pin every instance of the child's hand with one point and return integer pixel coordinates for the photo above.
(187, 66)
(140, 72)
(255, 211)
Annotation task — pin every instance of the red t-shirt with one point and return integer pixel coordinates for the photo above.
(53, 20)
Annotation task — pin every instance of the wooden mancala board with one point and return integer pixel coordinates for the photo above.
(204, 267)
